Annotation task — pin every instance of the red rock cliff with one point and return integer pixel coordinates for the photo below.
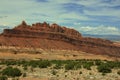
(53, 36)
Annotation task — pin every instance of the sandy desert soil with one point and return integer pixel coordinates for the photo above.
(26, 53)
(74, 75)
(62, 74)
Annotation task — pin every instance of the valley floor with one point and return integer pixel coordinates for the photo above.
(63, 69)
(51, 73)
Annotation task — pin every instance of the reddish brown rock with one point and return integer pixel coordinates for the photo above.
(43, 35)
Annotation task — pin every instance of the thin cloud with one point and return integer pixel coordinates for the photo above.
(101, 30)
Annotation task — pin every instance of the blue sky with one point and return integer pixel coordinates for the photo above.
(86, 16)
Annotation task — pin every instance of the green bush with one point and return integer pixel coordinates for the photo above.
(69, 66)
(44, 64)
(87, 65)
(77, 66)
(34, 64)
(40, 63)
(12, 72)
(11, 62)
(98, 62)
(104, 68)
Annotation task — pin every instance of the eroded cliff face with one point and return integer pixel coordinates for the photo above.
(43, 35)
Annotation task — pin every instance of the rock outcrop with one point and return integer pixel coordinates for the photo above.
(43, 35)
(45, 28)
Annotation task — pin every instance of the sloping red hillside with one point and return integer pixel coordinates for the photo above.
(45, 36)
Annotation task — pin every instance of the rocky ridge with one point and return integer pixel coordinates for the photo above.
(45, 36)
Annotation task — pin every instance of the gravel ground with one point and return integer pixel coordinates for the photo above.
(62, 74)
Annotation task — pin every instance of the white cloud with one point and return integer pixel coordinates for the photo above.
(54, 12)
(18, 10)
(101, 30)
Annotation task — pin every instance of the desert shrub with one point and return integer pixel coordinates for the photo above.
(54, 72)
(23, 62)
(58, 63)
(40, 63)
(69, 66)
(104, 68)
(87, 65)
(3, 78)
(10, 62)
(58, 66)
(44, 64)
(90, 73)
(80, 72)
(114, 64)
(25, 68)
(111, 64)
(65, 75)
(98, 62)
(118, 72)
(24, 75)
(33, 63)
(11, 72)
(103, 74)
(77, 66)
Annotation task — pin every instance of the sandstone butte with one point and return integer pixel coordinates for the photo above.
(45, 36)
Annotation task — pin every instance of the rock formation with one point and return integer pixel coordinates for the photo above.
(45, 36)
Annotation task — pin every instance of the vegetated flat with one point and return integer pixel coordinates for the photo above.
(84, 69)
(28, 60)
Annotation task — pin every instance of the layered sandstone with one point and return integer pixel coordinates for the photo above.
(45, 36)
